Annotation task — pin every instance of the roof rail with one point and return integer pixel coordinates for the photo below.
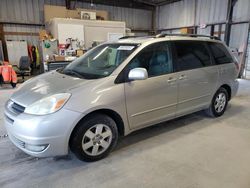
(186, 35)
(146, 36)
(128, 37)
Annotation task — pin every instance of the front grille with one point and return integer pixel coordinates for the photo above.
(18, 108)
(15, 108)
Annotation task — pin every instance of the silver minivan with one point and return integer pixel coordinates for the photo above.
(117, 88)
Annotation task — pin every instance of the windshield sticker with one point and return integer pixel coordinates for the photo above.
(106, 73)
(125, 48)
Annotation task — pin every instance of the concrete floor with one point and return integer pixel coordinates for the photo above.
(191, 152)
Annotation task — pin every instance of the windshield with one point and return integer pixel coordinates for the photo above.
(100, 61)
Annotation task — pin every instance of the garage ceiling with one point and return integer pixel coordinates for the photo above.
(140, 4)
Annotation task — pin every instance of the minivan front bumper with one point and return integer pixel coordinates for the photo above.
(41, 136)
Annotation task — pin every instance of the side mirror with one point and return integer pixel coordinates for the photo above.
(138, 74)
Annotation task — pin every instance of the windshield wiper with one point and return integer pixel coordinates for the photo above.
(72, 73)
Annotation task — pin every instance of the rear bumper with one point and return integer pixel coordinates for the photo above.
(50, 133)
(234, 88)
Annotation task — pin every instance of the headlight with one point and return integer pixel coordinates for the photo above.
(48, 105)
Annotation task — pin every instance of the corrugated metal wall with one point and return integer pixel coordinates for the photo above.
(25, 11)
(239, 33)
(182, 13)
(241, 10)
(32, 11)
(176, 14)
(211, 11)
(33, 40)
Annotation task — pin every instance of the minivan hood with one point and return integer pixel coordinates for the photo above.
(45, 85)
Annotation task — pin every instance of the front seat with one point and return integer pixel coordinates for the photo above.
(159, 64)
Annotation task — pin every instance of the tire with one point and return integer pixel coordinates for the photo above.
(94, 138)
(218, 104)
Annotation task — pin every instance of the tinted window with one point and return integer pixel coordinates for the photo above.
(220, 53)
(155, 58)
(191, 55)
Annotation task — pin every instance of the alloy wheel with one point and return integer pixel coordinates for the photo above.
(220, 102)
(97, 139)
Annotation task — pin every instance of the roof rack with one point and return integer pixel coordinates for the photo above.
(146, 36)
(186, 35)
(128, 37)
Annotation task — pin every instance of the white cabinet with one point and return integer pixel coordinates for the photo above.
(88, 31)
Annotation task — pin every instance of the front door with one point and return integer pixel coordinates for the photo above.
(154, 99)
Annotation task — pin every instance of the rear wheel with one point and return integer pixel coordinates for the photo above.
(218, 104)
(94, 138)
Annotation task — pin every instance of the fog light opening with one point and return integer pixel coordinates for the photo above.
(35, 148)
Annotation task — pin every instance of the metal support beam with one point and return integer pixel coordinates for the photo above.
(167, 2)
(195, 30)
(67, 3)
(22, 33)
(2, 38)
(154, 14)
(212, 30)
(20, 23)
(195, 13)
(244, 56)
(220, 31)
(230, 8)
(146, 3)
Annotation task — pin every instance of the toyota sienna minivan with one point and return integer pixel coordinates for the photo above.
(117, 88)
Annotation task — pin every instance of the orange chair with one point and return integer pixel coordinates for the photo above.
(7, 74)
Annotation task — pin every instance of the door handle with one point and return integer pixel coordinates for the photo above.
(171, 79)
(182, 77)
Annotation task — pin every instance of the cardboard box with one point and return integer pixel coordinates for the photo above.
(54, 11)
(59, 58)
(186, 31)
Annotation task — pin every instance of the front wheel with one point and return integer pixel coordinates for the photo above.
(94, 138)
(218, 104)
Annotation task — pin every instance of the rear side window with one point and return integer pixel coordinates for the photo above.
(220, 53)
(191, 55)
